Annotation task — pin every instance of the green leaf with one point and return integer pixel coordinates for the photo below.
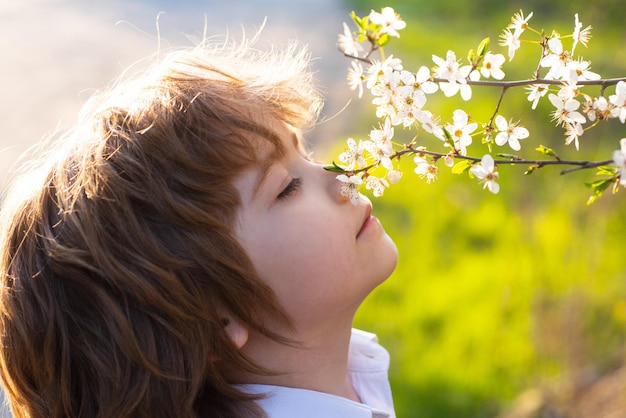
(384, 39)
(546, 151)
(357, 20)
(461, 167)
(508, 156)
(471, 56)
(594, 196)
(530, 170)
(334, 168)
(599, 187)
(449, 139)
(607, 171)
(482, 48)
(602, 184)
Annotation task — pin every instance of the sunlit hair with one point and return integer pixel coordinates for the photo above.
(115, 266)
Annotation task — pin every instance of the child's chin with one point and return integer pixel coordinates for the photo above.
(388, 260)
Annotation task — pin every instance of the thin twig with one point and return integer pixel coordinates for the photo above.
(578, 164)
(517, 83)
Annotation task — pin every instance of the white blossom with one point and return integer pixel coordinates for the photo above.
(450, 70)
(410, 94)
(356, 77)
(573, 131)
(596, 108)
(510, 40)
(353, 155)
(376, 184)
(380, 147)
(380, 71)
(394, 176)
(492, 66)
(385, 107)
(430, 124)
(378, 80)
(385, 134)
(384, 102)
(568, 91)
(519, 23)
(389, 20)
(618, 100)
(619, 157)
(535, 92)
(350, 187)
(464, 88)
(509, 132)
(347, 44)
(423, 168)
(406, 98)
(579, 70)
(461, 130)
(566, 110)
(486, 173)
(383, 99)
(423, 81)
(555, 59)
(448, 160)
(579, 35)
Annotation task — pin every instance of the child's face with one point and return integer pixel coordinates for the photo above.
(319, 253)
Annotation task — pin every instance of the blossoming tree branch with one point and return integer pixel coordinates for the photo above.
(401, 99)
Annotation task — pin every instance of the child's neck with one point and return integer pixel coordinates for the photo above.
(321, 364)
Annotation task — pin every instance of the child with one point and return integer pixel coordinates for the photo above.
(179, 255)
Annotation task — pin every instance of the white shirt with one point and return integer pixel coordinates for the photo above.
(368, 364)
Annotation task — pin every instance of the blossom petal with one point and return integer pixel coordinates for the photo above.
(487, 162)
(501, 123)
(493, 187)
(501, 138)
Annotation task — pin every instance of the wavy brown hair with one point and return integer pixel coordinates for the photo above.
(116, 264)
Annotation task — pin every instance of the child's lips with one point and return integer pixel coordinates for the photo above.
(366, 219)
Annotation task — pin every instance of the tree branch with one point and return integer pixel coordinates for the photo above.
(578, 164)
(517, 83)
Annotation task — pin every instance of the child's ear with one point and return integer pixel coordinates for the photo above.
(236, 330)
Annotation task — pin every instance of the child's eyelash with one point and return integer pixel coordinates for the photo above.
(291, 188)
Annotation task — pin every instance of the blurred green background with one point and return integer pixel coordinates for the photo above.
(496, 300)
(511, 304)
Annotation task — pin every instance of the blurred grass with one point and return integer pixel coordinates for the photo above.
(497, 294)
(494, 294)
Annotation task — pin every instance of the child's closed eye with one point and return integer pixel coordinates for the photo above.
(291, 188)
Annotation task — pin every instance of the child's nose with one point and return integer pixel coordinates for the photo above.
(334, 187)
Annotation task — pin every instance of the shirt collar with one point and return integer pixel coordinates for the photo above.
(283, 401)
